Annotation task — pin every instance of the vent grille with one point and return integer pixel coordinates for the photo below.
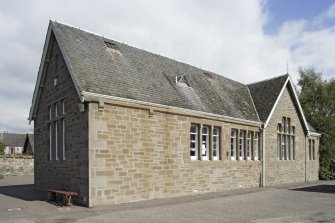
(112, 46)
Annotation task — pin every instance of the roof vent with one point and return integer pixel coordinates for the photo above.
(209, 76)
(112, 47)
(181, 79)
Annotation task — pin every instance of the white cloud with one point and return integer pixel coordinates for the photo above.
(225, 36)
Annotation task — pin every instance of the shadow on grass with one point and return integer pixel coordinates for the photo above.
(25, 192)
(330, 189)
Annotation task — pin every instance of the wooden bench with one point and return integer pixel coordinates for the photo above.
(66, 196)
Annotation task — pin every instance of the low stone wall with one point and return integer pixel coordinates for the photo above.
(16, 165)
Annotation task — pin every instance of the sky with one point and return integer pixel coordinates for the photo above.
(245, 40)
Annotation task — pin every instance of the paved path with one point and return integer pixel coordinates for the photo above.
(304, 203)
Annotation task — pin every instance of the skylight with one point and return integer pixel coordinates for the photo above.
(181, 79)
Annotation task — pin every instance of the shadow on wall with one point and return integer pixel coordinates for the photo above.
(319, 189)
(24, 192)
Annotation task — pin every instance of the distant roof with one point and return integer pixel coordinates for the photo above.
(119, 70)
(29, 139)
(265, 94)
(13, 139)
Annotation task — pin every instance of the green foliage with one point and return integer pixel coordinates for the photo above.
(317, 98)
(1, 176)
(2, 148)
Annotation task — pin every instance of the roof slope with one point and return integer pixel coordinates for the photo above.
(140, 75)
(265, 94)
(29, 139)
(13, 139)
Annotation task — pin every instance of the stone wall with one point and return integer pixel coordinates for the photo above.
(137, 156)
(69, 173)
(17, 166)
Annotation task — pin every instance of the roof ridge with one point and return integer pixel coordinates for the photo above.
(269, 79)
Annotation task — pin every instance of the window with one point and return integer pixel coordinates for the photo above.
(56, 130)
(194, 141)
(50, 141)
(216, 143)
(249, 145)
(63, 107)
(205, 143)
(63, 138)
(242, 146)
(256, 146)
(285, 140)
(56, 109)
(50, 112)
(233, 144)
(55, 81)
(56, 140)
(181, 79)
(311, 149)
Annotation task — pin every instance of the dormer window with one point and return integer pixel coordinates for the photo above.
(112, 47)
(181, 79)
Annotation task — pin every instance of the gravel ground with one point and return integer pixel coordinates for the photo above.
(293, 203)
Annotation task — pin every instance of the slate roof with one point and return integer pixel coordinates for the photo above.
(311, 128)
(265, 94)
(136, 74)
(13, 139)
(29, 139)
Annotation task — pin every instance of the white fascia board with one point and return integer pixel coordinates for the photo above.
(314, 134)
(36, 94)
(276, 103)
(288, 81)
(299, 105)
(108, 97)
(40, 73)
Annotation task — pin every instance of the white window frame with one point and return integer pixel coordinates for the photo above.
(285, 139)
(63, 138)
(241, 145)
(56, 109)
(249, 145)
(50, 112)
(233, 144)
(205, 142)
(50, 141)
(195, 141)
(56, 140)
(63, 107)
(288, 147)
(283, 147)
(216, 143)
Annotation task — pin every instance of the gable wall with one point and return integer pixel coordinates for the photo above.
(70, 174)
(286, 171)
(136, 157)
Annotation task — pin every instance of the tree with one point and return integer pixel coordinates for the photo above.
(317, 98)
(2, 148)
